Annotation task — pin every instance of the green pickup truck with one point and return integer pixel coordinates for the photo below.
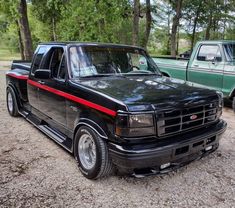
(212, 63)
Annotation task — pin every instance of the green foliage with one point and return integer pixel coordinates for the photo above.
(8, 31)
(112, 21)
(101, 21)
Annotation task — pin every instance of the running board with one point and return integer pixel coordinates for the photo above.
(59, 138)
(51, 133)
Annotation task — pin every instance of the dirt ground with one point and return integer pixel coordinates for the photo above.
(36, 172)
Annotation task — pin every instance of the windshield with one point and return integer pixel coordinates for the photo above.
(230, 51)
(89, 61)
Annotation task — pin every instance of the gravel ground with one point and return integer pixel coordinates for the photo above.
(36, 172)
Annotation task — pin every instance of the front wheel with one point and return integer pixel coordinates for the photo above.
(91, 153)
(233, 105)
(12, 105)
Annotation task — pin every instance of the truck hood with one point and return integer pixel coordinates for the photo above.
(147, 92)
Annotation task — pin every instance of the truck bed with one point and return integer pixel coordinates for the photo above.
(25, 65)
(172, 67)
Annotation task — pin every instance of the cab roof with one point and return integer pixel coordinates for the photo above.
(72, 43)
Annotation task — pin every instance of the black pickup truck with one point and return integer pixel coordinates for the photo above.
(96, 102)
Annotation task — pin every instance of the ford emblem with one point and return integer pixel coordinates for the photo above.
(193, 117)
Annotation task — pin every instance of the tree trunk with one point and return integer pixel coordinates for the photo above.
(177, 38)
(195, 24)
(54, 29)
(25, 30)
(175, 25)
(21, 47)
(207, 36)
(148, 23)
(168, 50)
(135, 31)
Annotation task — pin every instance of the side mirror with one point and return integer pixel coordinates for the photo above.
(42, 74)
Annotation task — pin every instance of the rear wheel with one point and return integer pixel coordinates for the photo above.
(12, 105)
(233, 105)
(91, 153)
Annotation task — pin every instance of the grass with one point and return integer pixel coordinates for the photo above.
(7, 54)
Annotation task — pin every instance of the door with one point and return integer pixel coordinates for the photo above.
(52, 105)
(207, 67)
(32, 89)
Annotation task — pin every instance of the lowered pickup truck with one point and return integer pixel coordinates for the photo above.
(212, 64)
(96, 102)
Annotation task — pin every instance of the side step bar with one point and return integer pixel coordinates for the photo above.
(51, 133)
(58, 138)
(46, 129)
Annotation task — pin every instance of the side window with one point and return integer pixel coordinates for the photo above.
(209, 53)
(55, 62)
(38, 58)
(62, 69)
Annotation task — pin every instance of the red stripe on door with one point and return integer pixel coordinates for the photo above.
(74, 98)
(22, 77)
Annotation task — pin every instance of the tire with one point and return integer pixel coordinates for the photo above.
(12, 105)
(89, 145)
(233, 104)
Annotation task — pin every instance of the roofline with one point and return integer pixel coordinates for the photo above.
(72, 43)
(216, 41)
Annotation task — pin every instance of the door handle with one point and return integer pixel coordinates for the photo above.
(196, 65)
(41, 82)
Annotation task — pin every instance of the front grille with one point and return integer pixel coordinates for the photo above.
(177, 120)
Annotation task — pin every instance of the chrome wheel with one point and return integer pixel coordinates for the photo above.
(10, 102)
(87, 151)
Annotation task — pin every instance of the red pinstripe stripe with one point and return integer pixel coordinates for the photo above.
(22, 77)
(74, 98)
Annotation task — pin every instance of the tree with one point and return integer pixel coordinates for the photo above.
(135, 30)
(148, 23)
(193, 11)
(49, 12)
(16, 14)
(177, 5)
(99, 21)
(25, 33)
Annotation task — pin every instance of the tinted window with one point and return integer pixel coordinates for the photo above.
(55, 61)
(98, 61)
(38, 58)
(229, 52)
(209, 53)
(62, 69)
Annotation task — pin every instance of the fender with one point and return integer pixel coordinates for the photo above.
(12, 86)
(91, 124)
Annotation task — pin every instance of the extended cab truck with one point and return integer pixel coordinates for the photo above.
(212, 64)
(94, 100)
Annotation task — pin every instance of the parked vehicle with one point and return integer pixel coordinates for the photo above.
(186, 54)
(96, 102)
(212, 64)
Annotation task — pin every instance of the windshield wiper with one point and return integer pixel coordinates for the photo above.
(101, 75)
(145, 74)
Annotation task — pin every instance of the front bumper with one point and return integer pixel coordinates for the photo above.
(175, 152)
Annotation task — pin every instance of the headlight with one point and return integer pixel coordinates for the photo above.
(135, 125)
(141, 120)
(221, 103)
(220, 95)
